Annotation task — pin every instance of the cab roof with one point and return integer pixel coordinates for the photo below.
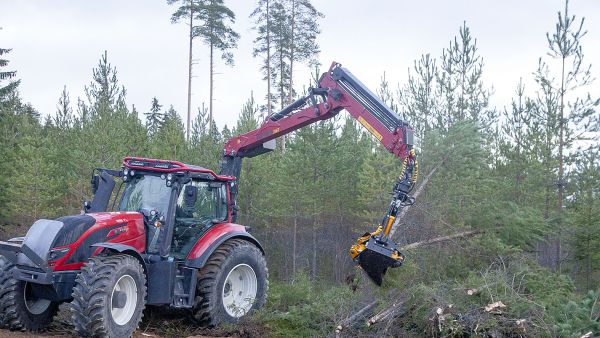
(167, 166)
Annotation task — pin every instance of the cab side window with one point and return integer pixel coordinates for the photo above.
(202, 202)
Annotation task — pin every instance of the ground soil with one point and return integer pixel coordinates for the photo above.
(156, 323)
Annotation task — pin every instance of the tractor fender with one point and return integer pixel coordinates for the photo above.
(216, 236)
(124, 249)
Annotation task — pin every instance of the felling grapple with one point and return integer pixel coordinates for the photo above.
(375, 252)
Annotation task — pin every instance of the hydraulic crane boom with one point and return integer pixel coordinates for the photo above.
(339, 90)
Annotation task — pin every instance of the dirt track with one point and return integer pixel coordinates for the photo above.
(157, 323)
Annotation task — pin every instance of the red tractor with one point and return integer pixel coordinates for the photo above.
(167, 235)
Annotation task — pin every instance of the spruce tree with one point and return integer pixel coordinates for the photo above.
(169, 142)
(6, 75)
(154, 118)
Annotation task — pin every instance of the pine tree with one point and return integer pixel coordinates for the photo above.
(9, 102)
(418, 98)
(304, 29)
(576, 119)
(106, 129)
(263, 45)
(190, 11)
(64, 113)
(460, 84)
(516, 128)
(216, 32)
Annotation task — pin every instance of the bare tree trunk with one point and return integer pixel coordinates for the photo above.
(314, 251)
(293, 24)
(559, 206)
(268, 61)
(210, 105)
(415, 195)
(441, 239)
(281, 93)
(294, 241)
(189, 98)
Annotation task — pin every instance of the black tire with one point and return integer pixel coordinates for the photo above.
(15, 311)
(92, 306)
(5, 266)
(209, 309)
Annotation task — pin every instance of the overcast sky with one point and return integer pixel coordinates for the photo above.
(57, 43)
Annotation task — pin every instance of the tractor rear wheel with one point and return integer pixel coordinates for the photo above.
(20, 308)
(232, 283)
(109, 297)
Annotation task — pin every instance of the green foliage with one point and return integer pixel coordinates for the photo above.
(577, 318)
(169, 141)
(302, 309)
(516, 225)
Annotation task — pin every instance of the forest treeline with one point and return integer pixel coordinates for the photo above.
(525, 176)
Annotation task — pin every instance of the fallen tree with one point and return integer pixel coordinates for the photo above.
(363, 312)
(392, 311)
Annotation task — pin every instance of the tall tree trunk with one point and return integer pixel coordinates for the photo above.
(314, 250)
(281, 91)
(268, 61)
(210, 105)
(189, 98)
(559, 205)
(294, 241)
(416, 194)
(293, 24)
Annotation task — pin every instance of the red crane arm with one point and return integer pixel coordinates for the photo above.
(338, 89)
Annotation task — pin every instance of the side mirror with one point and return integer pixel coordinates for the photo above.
(190, 195)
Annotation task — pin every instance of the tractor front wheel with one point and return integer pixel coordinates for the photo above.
(109, 297)
(20, 308)
(232, 282)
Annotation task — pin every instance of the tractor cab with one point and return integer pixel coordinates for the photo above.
(179, 202)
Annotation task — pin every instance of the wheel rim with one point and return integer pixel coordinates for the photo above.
(34, 304)
(126, 285)
(239, 290)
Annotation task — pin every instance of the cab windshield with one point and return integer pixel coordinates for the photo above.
(146, 192)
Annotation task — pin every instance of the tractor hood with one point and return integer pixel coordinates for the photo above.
(68, 240)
